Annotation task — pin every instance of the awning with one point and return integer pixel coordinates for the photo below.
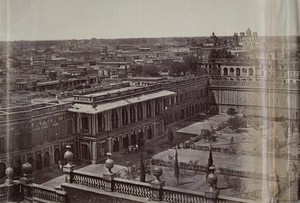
(89, 109)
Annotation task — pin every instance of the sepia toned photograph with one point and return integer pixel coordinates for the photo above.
(145, 101)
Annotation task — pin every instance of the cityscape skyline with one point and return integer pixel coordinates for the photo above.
(55, 20)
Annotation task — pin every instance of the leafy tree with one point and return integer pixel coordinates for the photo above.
(177, 68)
(191, 63)
(176, 167)
(151, 71)
(231, 111)
(236, 122)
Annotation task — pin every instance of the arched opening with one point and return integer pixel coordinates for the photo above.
(182, 114)
(231, 70)
(141, 141)
(101, 122)
(132, 114)
(85, 152)
(85, 124)
(115, 144)
(149, 132)
(124, 116)
(30, 160)
(238, 72)
(38, 162)
(17, 167)
(114, 118)
(250, 71)
(140, 111)
(125, 142)
(2, 172)
(148, 109)
(56, 155)
(225, 71)
(46, 160)
(133, 139)
(157, 107)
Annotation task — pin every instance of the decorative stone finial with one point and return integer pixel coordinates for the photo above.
(9, 174)
(27, 170)
(157, 172)
(68, 155)
(212, 178)
(109, 163)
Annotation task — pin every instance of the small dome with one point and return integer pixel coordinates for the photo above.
(27, 169)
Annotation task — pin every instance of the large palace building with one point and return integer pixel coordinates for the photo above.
(96, 123)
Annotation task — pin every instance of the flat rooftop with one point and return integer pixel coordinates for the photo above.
(124, 89)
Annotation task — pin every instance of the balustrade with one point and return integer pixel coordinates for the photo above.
(47, 193)
(88, 179)
(132, 188)
(3, 190)
(256, 84)
(175, 195)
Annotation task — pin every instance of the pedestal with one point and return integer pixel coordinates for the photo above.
(109, 183)
(157, 190)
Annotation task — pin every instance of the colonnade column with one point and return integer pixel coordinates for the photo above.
(93, 121)
(144, 110)
(79, 124)
(90, 124)
(120, 119)
(94, 152)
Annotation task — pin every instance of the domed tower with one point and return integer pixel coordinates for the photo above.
(248, 33)
(214, 39)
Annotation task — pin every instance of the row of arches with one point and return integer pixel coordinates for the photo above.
(41, 162)
(237, 71)
(186, 112)
(122, 142)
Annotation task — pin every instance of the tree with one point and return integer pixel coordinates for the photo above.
(236, 184)
(190, 63)
(177, 69)
(235, 122)
(210, 159)
(170, 135)
(142, 169)
(176, 167)
(231, 111)
(151, 71)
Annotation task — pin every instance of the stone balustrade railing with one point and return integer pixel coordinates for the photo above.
(135, 188)
(145, 190)
(88, 179)
(253, 84)
(3, 190)
(176, 195)
(47, 194)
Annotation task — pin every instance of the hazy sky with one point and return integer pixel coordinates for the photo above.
(78, 19)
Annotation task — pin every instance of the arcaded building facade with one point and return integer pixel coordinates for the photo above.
(93, 124)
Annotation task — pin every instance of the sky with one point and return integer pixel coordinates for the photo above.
(85, 19)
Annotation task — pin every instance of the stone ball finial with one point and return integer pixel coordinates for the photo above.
(68, 155)
(27, 169)
(109, 163)
(9, 172)
(212, 178)
(157, 172)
